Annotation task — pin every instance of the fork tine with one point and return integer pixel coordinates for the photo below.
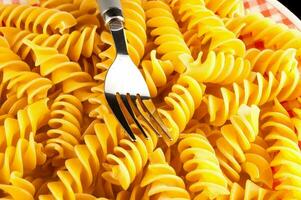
(155, 117)
(114, 105)
(133, 105)
(129, 113)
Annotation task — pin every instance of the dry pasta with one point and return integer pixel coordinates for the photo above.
(226, 84)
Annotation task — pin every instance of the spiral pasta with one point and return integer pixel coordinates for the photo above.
(180, 104)
(257, 90)
(226, 8)
(61, 70)
(218, 68)
(236, 139)
(278, 129)
(165, 185)
(128, 159)
(202, 166)
(273, 36)
(167, 36)
(36, 19)
(77, 43)
(85, 12)
(272, 61)
(65, 127)
(204, 31)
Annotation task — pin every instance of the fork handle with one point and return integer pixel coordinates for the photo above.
(111, 10)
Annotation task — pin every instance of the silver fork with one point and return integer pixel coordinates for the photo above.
(125, 88)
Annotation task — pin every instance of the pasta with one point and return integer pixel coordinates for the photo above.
(225, 82)
(36, 19)
(236, 138)
(78, 43)
(273, 36)
(85, 12)
(202, 167)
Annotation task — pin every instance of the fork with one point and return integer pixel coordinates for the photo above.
(124, 87)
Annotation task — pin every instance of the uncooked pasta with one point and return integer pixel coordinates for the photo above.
(232, 108)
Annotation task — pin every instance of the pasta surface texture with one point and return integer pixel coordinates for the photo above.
(225, 82)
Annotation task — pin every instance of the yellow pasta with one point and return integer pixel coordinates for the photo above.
(202, 167)
(78, 43)
(36, 19)
(226, 85)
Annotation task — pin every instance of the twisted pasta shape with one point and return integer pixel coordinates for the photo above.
(218, 68)
(128, 159)
(18, 80)
(265, 30)
(185, 96)
(65, 128)
(18, 188)
(257, 164)
(85, 12)
(161, 181)
(74, 45)
(22, 158)
(202, 167)
(226, 8)
(82, 173)
(61, 71)
(135, 30)
(28, 120)
(156, 73)
(256, 90)
(278, 129)
(204, 31)
(167, 36)
(272, 61)
(236, 139)
(36, 19)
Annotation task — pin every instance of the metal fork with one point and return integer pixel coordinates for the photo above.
(125, 88)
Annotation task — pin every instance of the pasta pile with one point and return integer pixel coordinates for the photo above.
(225, 82)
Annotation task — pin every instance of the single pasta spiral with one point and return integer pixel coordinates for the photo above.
(36, 19)
(85, 12)
(161, 181)
(257, 90)
(62, 71)
(180, 104)
(65, 127)
(166, 33)
(272, 61)
(217, 68)
(74, 44)
(265, 30)
(128, 159)
(278, 129)
(226, 8)
(236, 139)
(202, 167)
(135, 30)
(204, 31)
